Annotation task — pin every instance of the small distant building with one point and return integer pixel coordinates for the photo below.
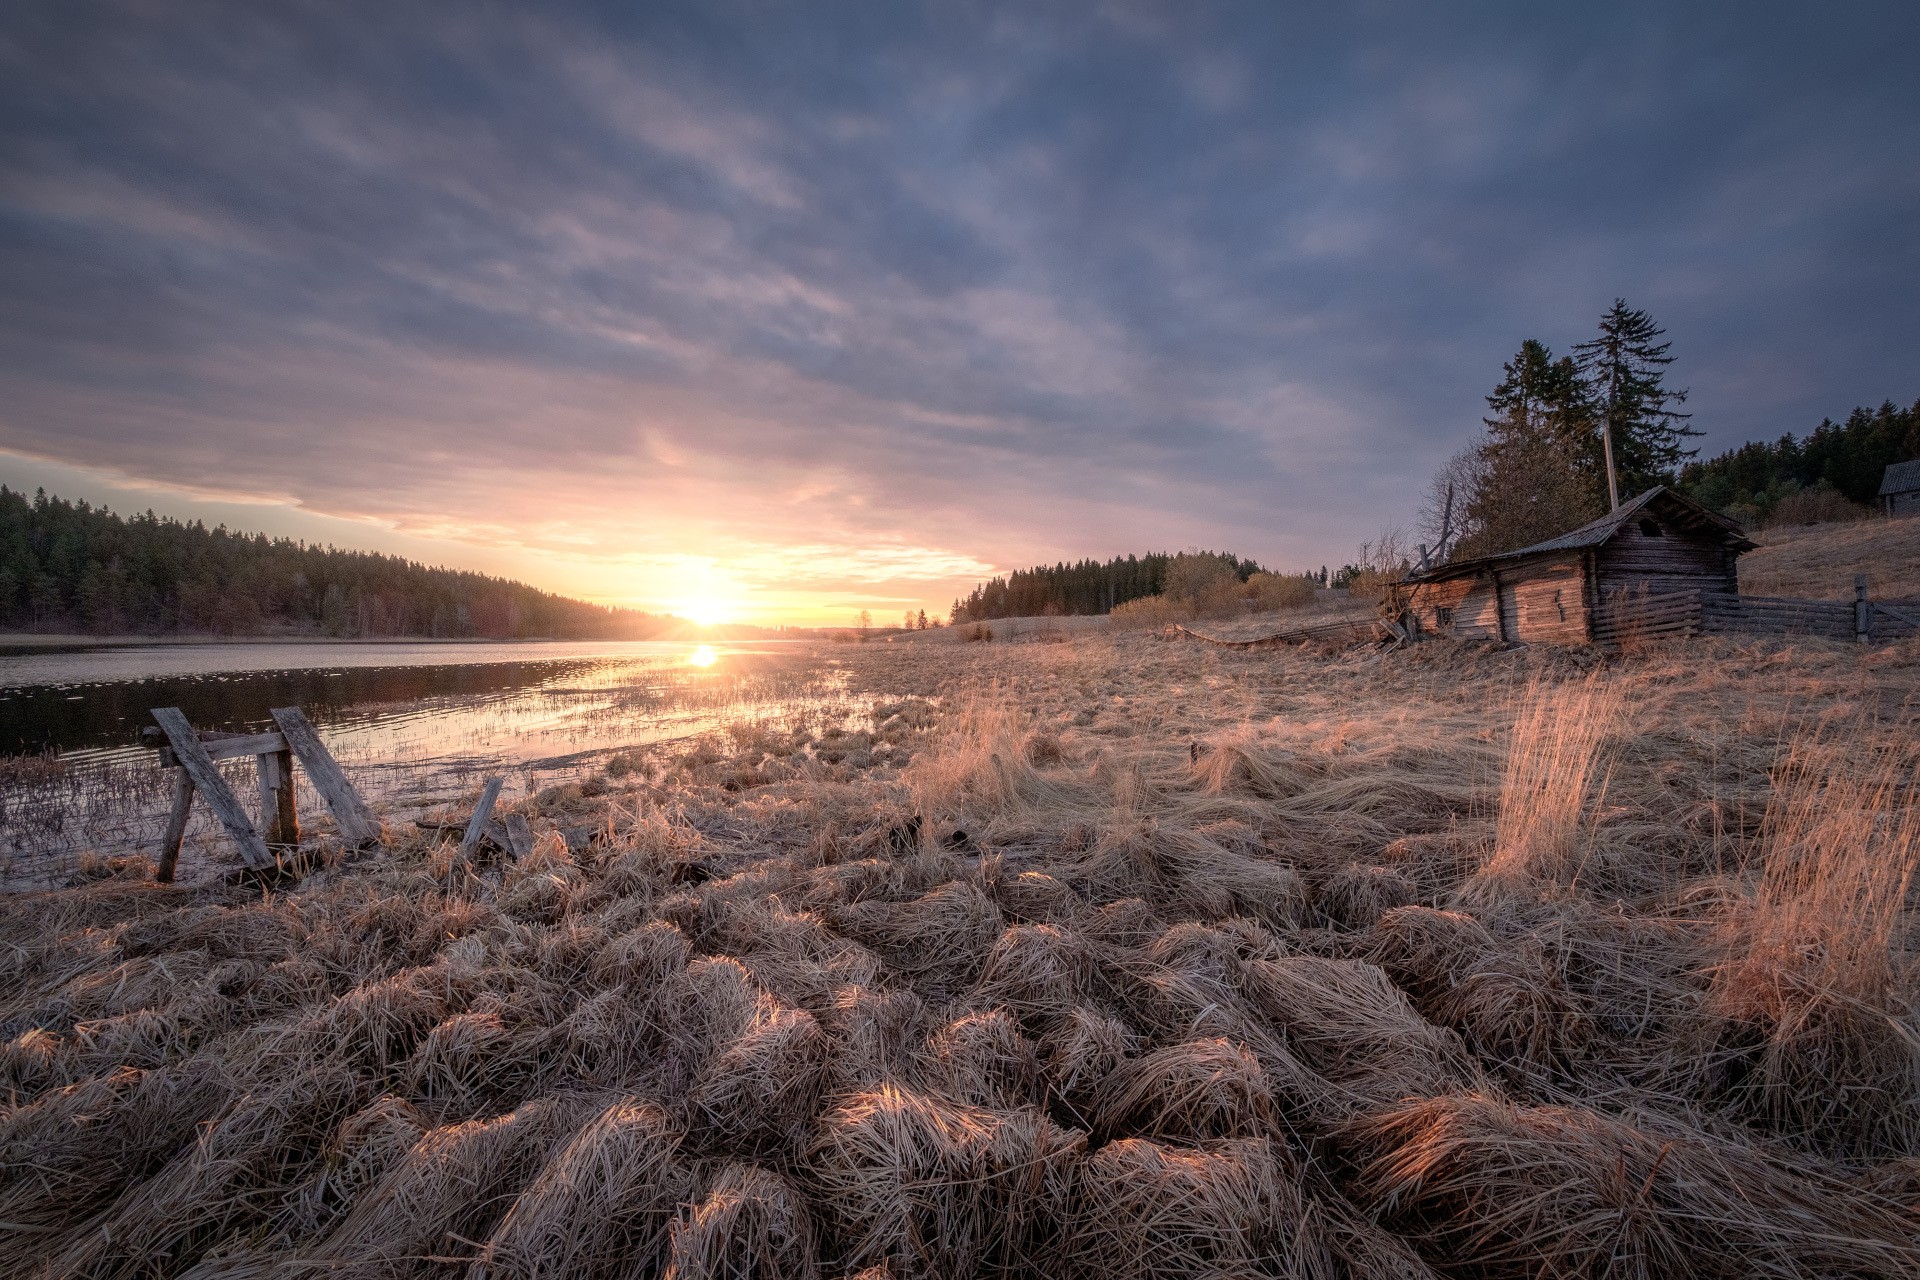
(1553, 592)
(1900, 488)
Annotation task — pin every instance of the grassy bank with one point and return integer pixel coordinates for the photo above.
(1819, 561)
(1103, 957)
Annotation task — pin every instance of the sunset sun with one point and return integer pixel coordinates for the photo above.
(706, 611)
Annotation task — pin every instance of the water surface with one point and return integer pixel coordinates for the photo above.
(414, 725)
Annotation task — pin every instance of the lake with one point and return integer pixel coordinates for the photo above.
(414, 725)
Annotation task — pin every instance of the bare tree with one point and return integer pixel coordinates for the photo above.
(1442, 522)
(1383, 561)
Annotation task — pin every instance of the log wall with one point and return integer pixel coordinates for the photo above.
(1464, 608)
(1544, 602)
(1657, 562)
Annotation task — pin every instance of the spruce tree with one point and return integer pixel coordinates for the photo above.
(1537, 470)
(1624, 371)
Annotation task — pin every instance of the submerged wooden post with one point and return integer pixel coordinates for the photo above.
(176, 826)
(199, 766)
(277, 814)
(350, 812)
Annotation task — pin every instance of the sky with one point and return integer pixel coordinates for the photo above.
(792, 310)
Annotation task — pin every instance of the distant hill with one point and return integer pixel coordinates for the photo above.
(68, 566)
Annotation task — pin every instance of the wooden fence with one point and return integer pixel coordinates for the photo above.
(1688, 613)
(1627, 618)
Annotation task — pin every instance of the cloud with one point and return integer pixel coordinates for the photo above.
(864, 296)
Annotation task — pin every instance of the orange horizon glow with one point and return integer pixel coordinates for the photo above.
(687, 571)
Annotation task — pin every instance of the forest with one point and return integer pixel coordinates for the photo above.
(1753, 482)
(1085, 587)
(71, 567)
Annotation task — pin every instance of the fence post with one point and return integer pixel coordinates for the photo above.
(1862, 611)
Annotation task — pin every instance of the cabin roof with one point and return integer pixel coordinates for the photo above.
(1684, 515)
(1901, 477)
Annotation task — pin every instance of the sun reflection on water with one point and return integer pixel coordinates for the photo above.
(704, 656)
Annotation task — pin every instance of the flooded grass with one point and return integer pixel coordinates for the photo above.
(541, 724)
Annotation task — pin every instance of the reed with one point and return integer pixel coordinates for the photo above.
(1112, 957)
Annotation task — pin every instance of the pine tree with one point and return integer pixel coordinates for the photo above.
(1623, 370)
(1538, 471)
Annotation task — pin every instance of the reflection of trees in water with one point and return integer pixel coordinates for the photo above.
(112, 715)
(406, 735)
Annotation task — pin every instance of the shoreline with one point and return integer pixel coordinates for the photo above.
(22, 643)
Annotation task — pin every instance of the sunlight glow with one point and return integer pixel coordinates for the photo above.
(704, 656)
(706, 611)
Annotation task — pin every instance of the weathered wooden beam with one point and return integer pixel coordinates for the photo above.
(350, 812)
(519, 835)
(206, 777)
(477, 825)
(176, 826)
(278, 816)
(220, 746)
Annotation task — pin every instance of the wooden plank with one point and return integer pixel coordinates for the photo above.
(519, 835)
(350, 812)
(176, 826)
(278, 817)
(207, 780)
(231, 746)
(477, 825)
(1356, 628)
(220, 746)
(1665, 607)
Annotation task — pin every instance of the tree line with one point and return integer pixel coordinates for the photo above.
(1085, 587)
(69, 566)
(1835, 467)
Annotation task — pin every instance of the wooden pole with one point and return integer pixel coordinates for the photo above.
(277, 814)
(1862, 610)
(176, 827)
(1606, 447)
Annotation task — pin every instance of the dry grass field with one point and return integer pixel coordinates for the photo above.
(1112, 956)
(1817, 562)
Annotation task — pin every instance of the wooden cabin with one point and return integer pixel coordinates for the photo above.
(1552, 592)
(1900, 488)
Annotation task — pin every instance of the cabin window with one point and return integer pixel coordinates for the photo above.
(1443, 617)
(1650, 529)
(1559, 604)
